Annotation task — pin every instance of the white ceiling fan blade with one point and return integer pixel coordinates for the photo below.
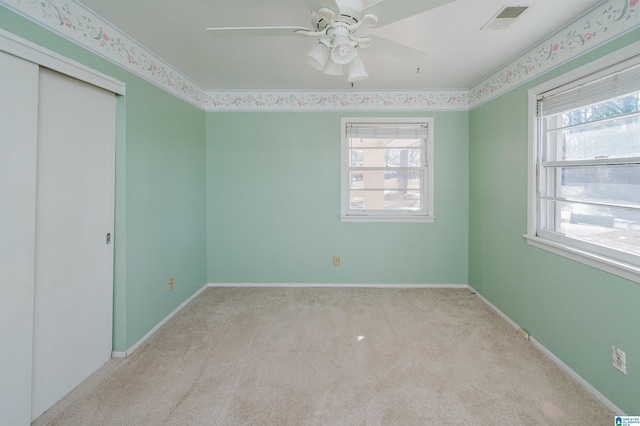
(314, 5)
(389, 11)
(255, 31)
(392, 51)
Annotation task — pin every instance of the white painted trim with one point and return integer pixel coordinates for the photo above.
(575, 376)
(605, 22)
(382, 218)
(498, 311)
(80, 25)
(615, 267)
(132, 349)
(626, 53)
(426, 215)
(17, 46)
(600, 397)
(583, 255)
(587, 32)
(336, 285)
(532, 163)
(564, 367)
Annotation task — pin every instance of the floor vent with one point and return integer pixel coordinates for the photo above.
(505, 17)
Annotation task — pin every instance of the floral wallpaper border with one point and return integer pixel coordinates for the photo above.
(601, 24)
(399, 100)
(77, 23)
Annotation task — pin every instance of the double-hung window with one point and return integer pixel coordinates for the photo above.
(387, 169)
(585, 178)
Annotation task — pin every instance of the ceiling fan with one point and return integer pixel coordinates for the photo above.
(334, 24)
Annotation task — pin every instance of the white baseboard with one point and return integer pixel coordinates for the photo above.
(117, 354)
(575, 376)
(536, 344)
(339, 285)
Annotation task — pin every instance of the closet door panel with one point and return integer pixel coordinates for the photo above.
(18, 133)
(74, 261)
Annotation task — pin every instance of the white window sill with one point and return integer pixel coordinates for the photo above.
(372, 218)
(616, 267)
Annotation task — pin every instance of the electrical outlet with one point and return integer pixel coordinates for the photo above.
(336, 260)
(619, 359)
(172, 283)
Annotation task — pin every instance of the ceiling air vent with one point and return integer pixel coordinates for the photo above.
(505, 17)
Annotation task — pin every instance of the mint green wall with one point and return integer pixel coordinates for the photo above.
(165, 206)
(160, 192)
(575, 311)
(270, 199)
(273, 206)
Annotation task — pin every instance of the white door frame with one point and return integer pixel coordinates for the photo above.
(13, 407)
(17, 46)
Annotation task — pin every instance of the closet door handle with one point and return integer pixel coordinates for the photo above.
(109, 238)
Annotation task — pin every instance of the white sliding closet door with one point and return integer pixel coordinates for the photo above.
(72, 335)
(18, 130)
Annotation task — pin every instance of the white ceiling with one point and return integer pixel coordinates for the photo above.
(458, 53)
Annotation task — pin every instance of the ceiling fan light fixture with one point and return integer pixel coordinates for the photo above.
(317, 57)
(357, 71)
(333, 68)
(334, 24)
(343, 50)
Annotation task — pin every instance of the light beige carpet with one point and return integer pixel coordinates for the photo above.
(332, 356)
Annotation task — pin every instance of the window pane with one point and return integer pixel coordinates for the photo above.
(385, 169)
(386, 179)
(609, 139)
(386, 157)
(587, 179)
(358, 143)
(613, 107)
(612, 227)
(403, 157)
(615, 184)
(357, 158)
(607, 226)
(385, 200)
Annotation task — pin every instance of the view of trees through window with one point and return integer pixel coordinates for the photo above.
(604, 130)
(593, 178)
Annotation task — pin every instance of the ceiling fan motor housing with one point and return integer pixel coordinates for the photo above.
(338, 30)
(322, 22)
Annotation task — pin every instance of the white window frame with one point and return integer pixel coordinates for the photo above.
(427, 213)
(617, 264)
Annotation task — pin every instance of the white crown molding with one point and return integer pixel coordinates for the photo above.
(75, 22)
(603, 23)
